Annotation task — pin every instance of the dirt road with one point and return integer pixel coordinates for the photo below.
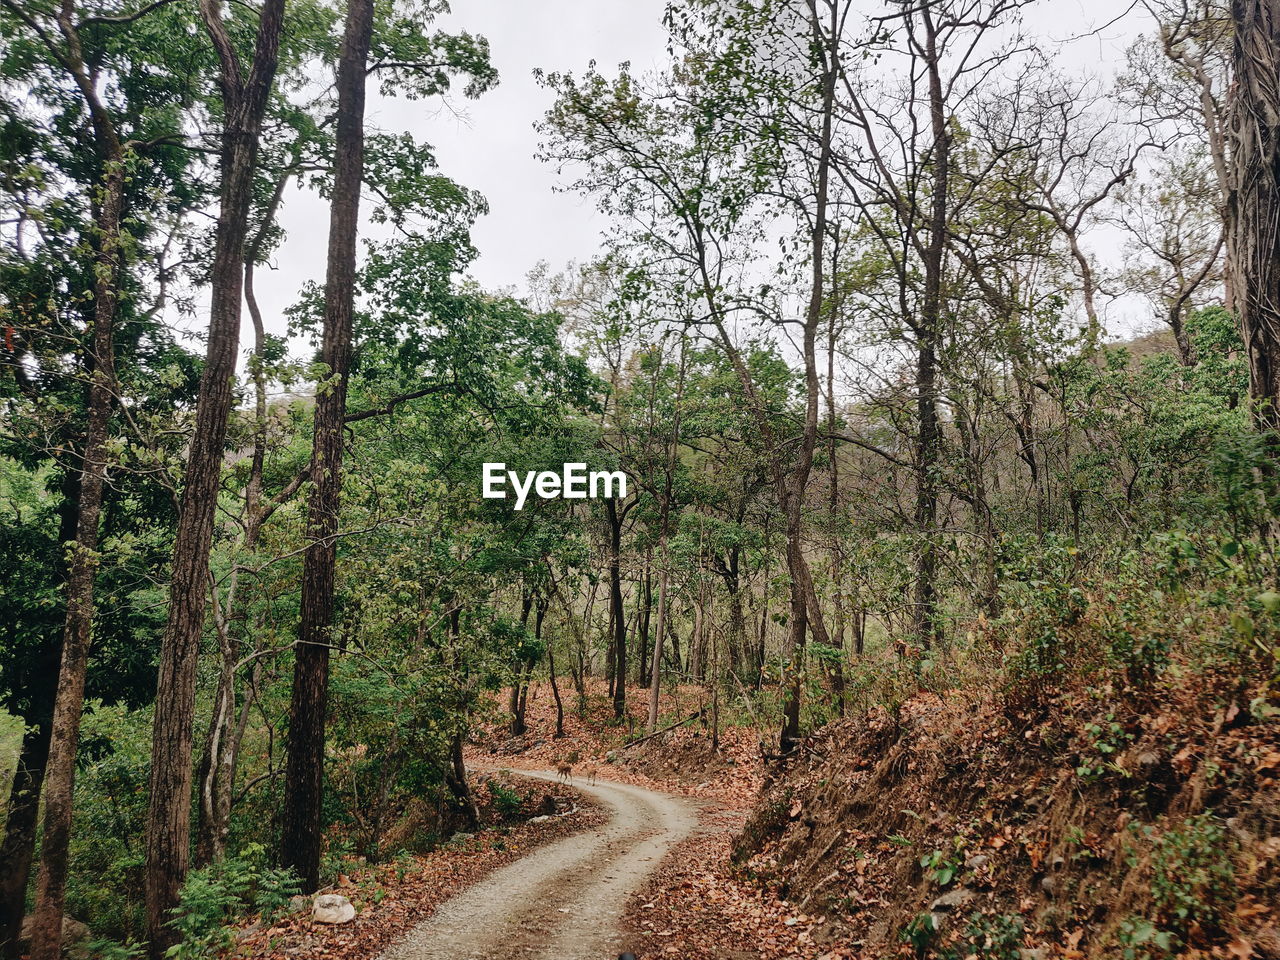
(562, 901)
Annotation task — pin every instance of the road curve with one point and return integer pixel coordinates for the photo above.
(564, 900)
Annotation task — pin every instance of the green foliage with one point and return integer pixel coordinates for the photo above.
(941, 867)
(993, 936)
(108, 847)
(506, 801)
(1192, 882)
(1105, 740)
(215, 896)
(115, 950)
(1143, 940)
(921, 932)
(1042, 603)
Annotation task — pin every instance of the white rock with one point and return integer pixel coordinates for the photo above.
(951, 900)
(332, 908)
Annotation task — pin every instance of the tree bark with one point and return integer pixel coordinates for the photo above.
(17, 851)
(59, 777)
(616, 611)
(304, 776)
(169, 812)
(543, 605)
(806, 614)
(927, 339)
(456, 780)
(642, 629)
(659, 638)
(1254, 199)
(18, 848)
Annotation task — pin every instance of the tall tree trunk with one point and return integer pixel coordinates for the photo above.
(833, 508)
(226, 731)
(304, 775)
(1254, 199)
(642, 631)
(806, 614)
(659, 637)
(543, 605)
(517, 679)
(617, 618)
(927, 338)
(18, 848)
(169, 812)
(59, 778)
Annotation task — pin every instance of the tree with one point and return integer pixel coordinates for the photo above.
(244, 103)
(304, 777)
(720, 145)
(58, 32)
(1254, 200)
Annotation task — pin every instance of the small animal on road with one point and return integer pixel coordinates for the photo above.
(564, 769)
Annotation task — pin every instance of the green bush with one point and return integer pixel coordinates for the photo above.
(1192, 885)
(215, 896)
(506, 801)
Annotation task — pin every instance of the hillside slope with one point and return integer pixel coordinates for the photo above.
(1106, 824)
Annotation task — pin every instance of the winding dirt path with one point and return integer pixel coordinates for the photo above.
(563, 901)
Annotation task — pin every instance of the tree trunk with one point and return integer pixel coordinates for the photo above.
(17, 851)
(1254, 199)
(304, 776)
(169, 812)
(642, 633)
(927, 337)
(616, 611)
(456, 779)
(226, 732)
(18, 848)
(59, 775)
(655, 681)
(806, 614)
(699, 634)
(543, 605)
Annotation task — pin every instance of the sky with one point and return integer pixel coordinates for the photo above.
(489, 144)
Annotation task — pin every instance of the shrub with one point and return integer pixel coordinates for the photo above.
(214, 896)
(1192, 886)
(506, 801)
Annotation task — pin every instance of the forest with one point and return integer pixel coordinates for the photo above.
(935, 609)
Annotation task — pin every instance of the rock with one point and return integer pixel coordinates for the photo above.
(611, 756)
(1049, 886)
(462, 837)
(299, 903)
(1238, 830)
(951, 900)
(977, 861)
(1033, 953)
(332, 908)
(74, 934)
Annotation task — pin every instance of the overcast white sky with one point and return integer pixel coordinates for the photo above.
(492, 147)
